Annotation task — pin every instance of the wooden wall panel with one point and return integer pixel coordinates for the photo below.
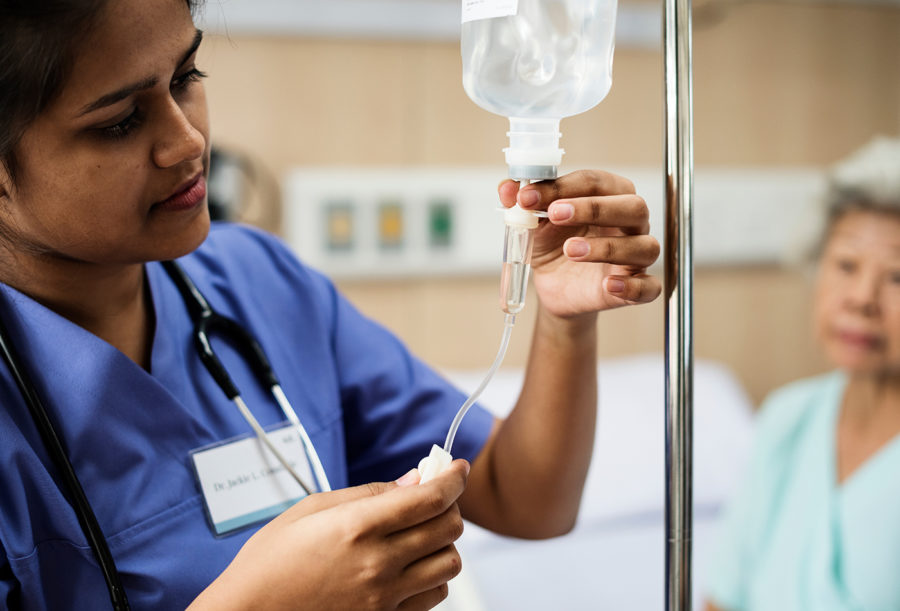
(754, 319)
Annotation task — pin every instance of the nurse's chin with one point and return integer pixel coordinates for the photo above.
(178, 239)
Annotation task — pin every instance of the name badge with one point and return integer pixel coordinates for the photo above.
(243, 483)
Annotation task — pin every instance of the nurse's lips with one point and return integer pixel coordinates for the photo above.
(186, 196)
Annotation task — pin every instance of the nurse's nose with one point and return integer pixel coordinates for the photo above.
(178, 139)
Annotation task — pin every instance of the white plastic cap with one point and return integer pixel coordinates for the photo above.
(517, 217)
(434, 464)
(533, 150)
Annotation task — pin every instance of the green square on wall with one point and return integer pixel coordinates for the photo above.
(440, 223)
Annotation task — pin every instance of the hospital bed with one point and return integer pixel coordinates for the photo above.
(614, 557)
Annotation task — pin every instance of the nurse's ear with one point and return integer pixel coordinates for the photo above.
(5, 184)
(7, 181)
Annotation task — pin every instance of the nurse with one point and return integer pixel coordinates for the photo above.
(104, 142)
(817, 524)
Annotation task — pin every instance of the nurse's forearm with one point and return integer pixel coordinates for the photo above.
(528, 480)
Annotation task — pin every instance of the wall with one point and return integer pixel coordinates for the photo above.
(775, 84)
(755, 319)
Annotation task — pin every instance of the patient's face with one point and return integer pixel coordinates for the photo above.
(857, 308)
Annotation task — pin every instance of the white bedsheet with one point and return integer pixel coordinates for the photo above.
(614, 558)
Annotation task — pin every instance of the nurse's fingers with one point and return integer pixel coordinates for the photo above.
(432, 572)
(407, 506)
(582, 183)
(635, 251)
(639, 288)
(428, 537)
(628, 212)
(425, 600)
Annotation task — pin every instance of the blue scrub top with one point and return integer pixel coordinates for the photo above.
(795, 539)
(371, 409)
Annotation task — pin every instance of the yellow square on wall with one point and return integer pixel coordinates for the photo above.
(339, 225)
(390, 225)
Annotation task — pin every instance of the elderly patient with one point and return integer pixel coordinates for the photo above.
(817, 524)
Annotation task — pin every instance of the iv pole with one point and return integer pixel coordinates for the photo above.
(679, 303)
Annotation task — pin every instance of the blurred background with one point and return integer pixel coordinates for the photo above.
(781, 90)
(342, 126)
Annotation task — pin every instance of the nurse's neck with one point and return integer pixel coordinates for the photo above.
(112, 302)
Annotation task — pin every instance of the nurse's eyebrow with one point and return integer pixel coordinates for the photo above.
(147, 83)
(116, 96)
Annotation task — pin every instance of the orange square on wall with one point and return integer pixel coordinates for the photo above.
(390, 225)
(339, 225)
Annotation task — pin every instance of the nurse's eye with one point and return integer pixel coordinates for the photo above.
(123, 128)
(183, 81)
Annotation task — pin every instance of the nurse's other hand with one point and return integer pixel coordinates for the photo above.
(378, 546)
(593, 252)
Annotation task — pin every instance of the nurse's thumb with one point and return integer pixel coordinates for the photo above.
(326, 500)
(410, 478)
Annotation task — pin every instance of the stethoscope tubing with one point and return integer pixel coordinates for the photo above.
(311, 454)
(54, 445)
(205, 320)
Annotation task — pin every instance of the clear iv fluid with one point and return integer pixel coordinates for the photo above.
(552, 59)
(513, 282)
(518, 244)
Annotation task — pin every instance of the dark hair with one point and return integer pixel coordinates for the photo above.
(37, 43)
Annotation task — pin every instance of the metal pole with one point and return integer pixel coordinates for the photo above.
(679, 303)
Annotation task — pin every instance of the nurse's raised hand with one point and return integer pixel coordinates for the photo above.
(594, 251)
(378, 546)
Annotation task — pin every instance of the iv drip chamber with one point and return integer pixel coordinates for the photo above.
(518, 244)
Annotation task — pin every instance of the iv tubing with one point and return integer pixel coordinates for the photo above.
(508, 323)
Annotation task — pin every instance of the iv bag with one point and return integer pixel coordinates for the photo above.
(551, 59)
(537, 61)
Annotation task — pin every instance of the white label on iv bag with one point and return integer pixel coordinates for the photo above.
(473, 10)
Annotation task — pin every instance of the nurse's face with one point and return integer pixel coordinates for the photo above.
(113, 171)
(857, 309)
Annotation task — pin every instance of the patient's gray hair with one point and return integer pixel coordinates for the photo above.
(868, 180)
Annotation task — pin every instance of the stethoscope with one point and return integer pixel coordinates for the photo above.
(206, 321)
